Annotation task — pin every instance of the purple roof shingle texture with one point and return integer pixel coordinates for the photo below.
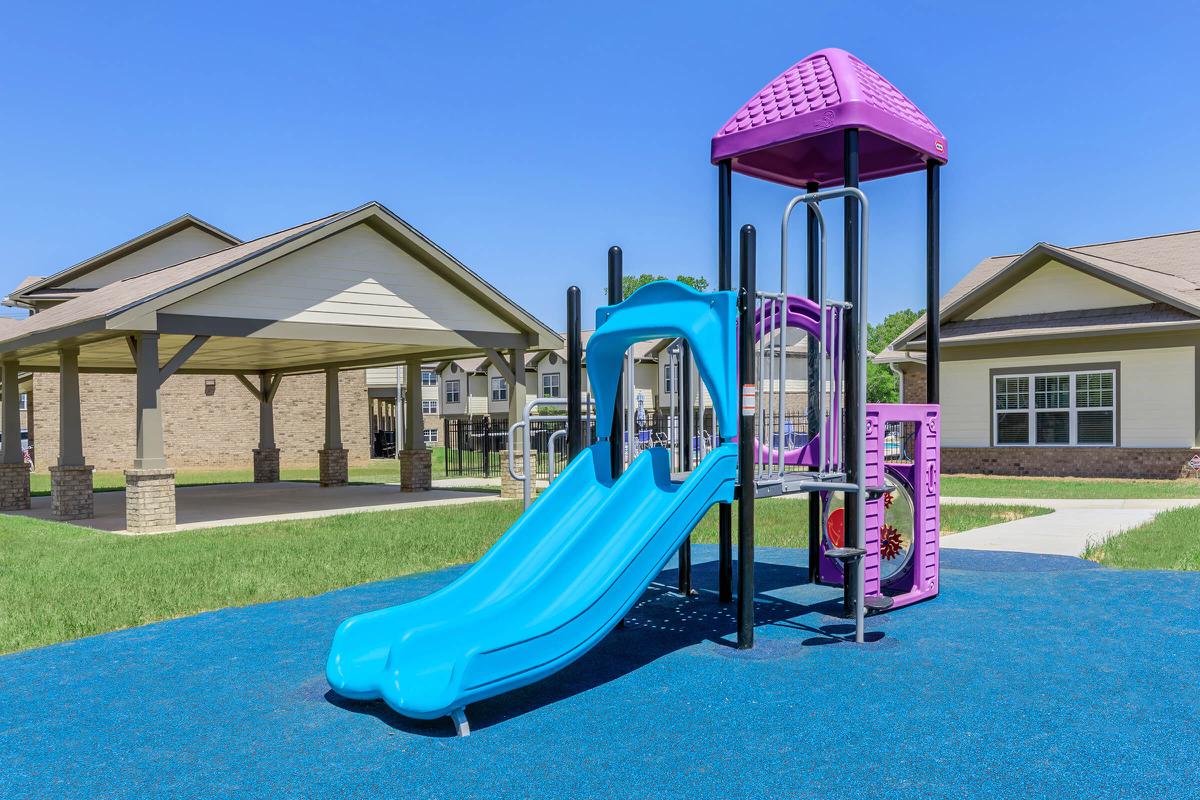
(790, 132)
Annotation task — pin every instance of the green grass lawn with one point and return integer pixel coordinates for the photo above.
(1169, 541)
(1064, 488)
(378, 470)
(60, 582)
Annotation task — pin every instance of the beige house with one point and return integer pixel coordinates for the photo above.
(1077, 361)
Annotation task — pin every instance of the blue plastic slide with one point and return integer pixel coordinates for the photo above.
(562, 577)
(573, 565)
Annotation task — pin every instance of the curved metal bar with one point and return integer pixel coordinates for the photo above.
(559, 434)
(512, 462)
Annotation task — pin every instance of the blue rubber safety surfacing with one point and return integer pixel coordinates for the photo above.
(1031, 676)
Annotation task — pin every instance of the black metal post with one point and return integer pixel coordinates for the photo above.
(574, 375)
(746, 488)
(616, 293)
(933, 281)
(815, 522)
(724, 284)
(685, 455)
(851, 391)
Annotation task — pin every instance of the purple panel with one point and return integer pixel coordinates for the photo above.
(920, 580)
(790, 132)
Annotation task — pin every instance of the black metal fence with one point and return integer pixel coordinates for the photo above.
(475, 447)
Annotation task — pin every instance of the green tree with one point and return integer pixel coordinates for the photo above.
(632, 282)
(882, 384)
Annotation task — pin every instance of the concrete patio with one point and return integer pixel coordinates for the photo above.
(246, 503)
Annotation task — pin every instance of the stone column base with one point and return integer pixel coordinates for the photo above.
(149, 500)
(509, 488)
(71, 495)
(14, 487)
(334, 466)
(416, 470)
(266, 465)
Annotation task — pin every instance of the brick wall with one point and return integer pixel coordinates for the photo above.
(1075, 462)
(202, 427)
(914, 384)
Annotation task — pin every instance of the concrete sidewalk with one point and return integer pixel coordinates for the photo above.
(1066, 532)
(246, 503)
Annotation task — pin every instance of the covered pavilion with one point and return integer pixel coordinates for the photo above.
(351, 290)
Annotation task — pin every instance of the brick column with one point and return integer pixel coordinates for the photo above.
(71, 492)
(149, 500)
(266, 465)
(509, 488)
(71, 477)
(416, 470)
(14, 487)
(334, 466)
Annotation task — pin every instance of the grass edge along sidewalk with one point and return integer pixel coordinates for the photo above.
(1005, 487)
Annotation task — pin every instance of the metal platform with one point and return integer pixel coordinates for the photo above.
(801, 482)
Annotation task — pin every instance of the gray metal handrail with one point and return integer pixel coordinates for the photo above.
(527, 475)
(559, 434)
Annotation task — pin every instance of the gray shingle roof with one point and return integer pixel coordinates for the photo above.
(118, 295)
(1165, 267)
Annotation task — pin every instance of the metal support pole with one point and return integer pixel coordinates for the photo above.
(575, 435)
(685, 454)
(616, 294)
(746, 488)
(855, 509)
(724, 284)
(815, 389)
(933, 288)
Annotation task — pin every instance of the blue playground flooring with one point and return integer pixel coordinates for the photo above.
(1030, 676)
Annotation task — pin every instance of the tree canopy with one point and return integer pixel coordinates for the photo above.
(882, 384)
(632, 282)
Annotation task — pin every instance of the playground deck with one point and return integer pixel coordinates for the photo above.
(1030, 676)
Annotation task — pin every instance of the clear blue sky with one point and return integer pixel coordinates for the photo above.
(526, 138)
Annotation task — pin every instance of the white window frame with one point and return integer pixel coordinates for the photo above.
(557, 387)
(454, 391)
(1072, 408)
(499, 393)
(429, 377)
(24, 401)
(429, 435)
(429, 406)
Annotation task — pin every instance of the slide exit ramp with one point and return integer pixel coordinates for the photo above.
(571, 566)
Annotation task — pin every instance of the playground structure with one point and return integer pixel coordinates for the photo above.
(577, 560)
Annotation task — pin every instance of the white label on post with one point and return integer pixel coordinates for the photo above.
(749, 400)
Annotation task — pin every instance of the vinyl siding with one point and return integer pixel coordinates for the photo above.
(1056, 287)
(182, 246)
(1155, 404)
(355, 277)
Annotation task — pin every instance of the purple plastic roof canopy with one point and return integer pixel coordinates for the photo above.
(791, 131)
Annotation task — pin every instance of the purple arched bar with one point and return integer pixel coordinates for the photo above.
(804, 314)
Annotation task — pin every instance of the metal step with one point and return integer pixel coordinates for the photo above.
(845, 554)
(876, 492)
(878, 602)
